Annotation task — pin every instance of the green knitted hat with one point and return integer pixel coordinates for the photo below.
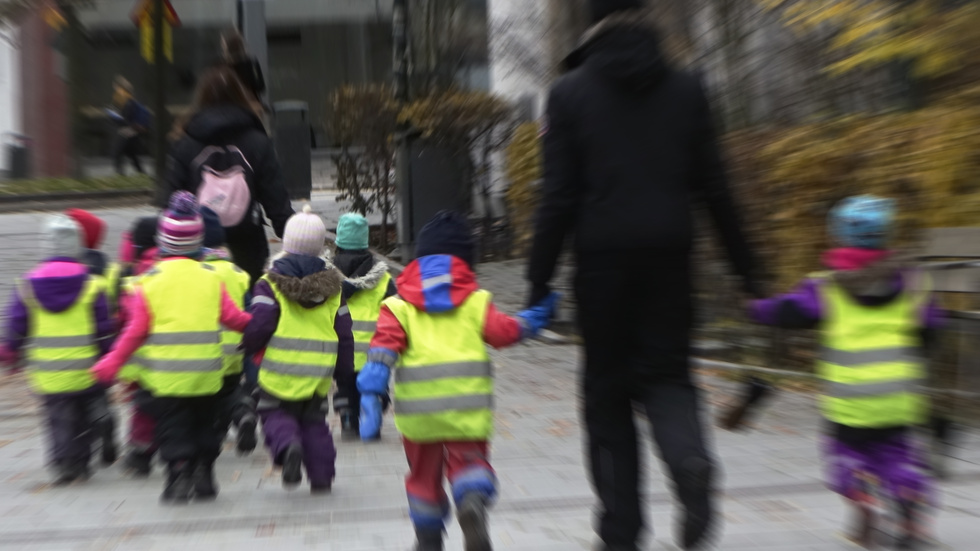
(352, 232)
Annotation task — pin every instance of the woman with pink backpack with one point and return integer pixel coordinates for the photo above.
(222, 154)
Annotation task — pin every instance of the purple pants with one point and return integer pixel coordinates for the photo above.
(302, 423)
(72, 419)
(896, 462)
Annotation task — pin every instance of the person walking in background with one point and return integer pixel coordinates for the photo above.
(221, 152)
(434, 335)
(234, 51)
(629, 152)
(132, 124)
(60, 315)
(302, 330)
(875, 316)
(176, 315)
(366, 285)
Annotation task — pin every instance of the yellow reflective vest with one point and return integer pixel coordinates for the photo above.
(365, 309)
(870, 360)
(182, 354)
(236, 283)
(61, 345)
(302, 354)
(444, 380)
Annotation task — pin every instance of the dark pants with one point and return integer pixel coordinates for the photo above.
(72, 422)
(304, 424)
(127, 148)
(636, 313)
(236, 404)
(349, 400)
(188, 429)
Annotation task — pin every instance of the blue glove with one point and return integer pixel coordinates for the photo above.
(370, 422)
(373, 379)
(539, 316)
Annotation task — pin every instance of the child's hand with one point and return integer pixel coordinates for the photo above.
(103, 374)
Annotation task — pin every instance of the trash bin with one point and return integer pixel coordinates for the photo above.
(18, 156)
(294, 146)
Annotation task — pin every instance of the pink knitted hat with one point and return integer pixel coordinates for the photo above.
(181, 229)
(305, 234)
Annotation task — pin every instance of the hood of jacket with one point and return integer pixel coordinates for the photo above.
(623, 49)
(437, 283)
(221, 123)
(56, 284)
(872, 277)
(96, 261)
(369, 278)
(306, 280)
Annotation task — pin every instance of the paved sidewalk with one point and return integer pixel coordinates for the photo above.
(774, 499)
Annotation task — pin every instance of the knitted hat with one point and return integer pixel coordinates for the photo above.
(603, 8)
(214, 232)
(181, 230)
(93, 227)
(448, 233)
(144, 234)
(61, 237)
(352, 232)
(863, 222)
(305, 234)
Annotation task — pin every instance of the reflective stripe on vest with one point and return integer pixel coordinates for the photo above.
(236, 284)
(182, 355)
(869, 359)
(62, 346)
(365, 309)
(444, 380)
(302, 354)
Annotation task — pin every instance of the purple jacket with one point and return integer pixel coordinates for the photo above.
(308, 281)
(56, 284)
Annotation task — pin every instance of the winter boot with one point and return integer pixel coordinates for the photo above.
(472, 516)
(349, 427)
(107, 433)
(205, 488)
(246, 435)
(139, 463)
(64, 473)
(179, 486)
(292, 464)
(694, 492)
(82, 471)
(428, 541)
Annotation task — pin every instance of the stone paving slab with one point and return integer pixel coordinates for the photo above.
(774, 498)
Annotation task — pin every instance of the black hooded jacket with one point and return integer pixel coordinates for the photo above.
(226, 125)
(630, 150)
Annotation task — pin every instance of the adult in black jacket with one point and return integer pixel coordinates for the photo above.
(245, 65)
(223, 116)
(630, 151)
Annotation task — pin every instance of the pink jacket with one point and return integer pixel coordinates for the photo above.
(137, 329)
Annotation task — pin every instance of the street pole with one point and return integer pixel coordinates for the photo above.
(403, 175)
(161, 120)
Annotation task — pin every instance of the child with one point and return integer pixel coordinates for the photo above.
(367, 284)
(300, 319)
(61, 314)
(93, 231)
(175, 317)
(434, 334)
(240, 407)
(137, 254)
(873, 319)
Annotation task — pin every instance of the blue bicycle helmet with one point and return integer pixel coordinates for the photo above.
(863, 222)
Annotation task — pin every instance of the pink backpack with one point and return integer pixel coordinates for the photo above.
(224, 183)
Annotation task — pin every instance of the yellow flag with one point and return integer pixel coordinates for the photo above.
(54, 18)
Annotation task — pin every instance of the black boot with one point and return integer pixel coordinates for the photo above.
(349, 427)
(179, 486)
(428, 541)
(473, 520)
(64, 473)
(107, 433)
(292, 464)
(246, 435)
(694, 491)
(205, 488)
(139, 463)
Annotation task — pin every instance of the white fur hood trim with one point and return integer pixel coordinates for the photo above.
(371, 279)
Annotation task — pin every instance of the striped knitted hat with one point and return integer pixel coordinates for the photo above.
(305, 234)
(181, 230)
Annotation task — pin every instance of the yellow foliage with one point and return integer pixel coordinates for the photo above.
(523, 171)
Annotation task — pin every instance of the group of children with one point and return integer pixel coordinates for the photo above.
(170, 322)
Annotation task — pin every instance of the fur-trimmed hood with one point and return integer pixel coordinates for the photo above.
(306, 280)
(371, 279)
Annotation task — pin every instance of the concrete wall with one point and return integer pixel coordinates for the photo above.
(9, 88)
